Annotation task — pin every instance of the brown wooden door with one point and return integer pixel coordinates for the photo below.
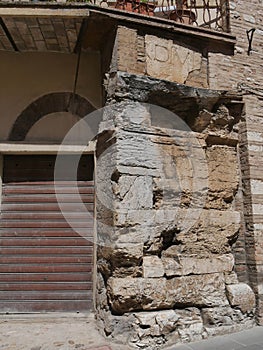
(45, 265)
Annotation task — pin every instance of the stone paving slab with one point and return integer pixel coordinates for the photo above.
(251, 339)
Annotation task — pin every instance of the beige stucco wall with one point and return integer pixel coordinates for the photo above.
(56, 126)
(27, 76)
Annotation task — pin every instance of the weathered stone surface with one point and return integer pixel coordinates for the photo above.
(220, 121)
(223, 176)
(212, 233)
(157, 323)
(196, 231)
(242, 296)
(122, 254)
(165, 60)
(134, 192)
(155, 328)
(181, 266)
(128, 294)
(231, 278)
(138, 152)
(152, 266)
(171, 247)
(190, 324)
(226, 316)
(119, 328)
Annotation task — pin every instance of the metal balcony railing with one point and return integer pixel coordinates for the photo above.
(212, 14)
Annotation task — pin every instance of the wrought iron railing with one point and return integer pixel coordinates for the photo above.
(212, 14)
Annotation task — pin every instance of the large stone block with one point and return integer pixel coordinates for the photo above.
(134, 192)
(166, 60)
(241, 295)
(129, 294)
(212, 232)
(183, 265)
(223, 176)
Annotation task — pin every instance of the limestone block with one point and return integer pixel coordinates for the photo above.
(166, 60)
(146, 318)
(134, 192)
(137, 151)
(210, 233)
(223, 174)
(119, 328)
(122, 254)
(172, 267)
(199, 290)
(242, 296)
(182, 266)
(152, 267)
(131, 294)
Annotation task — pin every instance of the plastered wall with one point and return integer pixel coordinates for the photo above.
(28, 76)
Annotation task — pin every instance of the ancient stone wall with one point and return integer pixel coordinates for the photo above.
(167, 218)
(245, 71)
(155, 56)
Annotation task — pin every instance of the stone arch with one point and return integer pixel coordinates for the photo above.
(47, 104)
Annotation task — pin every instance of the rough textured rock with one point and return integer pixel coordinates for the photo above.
(167, 260)
(166, 60)
(212, 233)
(182, 265)
(128, 294)
(152, 266)
(241, 296)
(220, 122)
(223, 176)
(190, 325)
(218, 316)
(231, 278)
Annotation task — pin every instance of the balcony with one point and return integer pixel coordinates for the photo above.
(212, 14)
(65, 25)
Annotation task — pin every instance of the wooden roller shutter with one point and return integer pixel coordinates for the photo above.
(45, 265)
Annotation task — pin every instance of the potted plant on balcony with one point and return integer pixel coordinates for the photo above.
(145, 7)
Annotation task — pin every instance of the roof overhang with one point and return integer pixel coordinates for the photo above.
(46, 26)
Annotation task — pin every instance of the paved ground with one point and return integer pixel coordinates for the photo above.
(78, 332)
(50, 332)
(246, 340)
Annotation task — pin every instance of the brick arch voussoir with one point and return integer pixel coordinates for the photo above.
(47, 104)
